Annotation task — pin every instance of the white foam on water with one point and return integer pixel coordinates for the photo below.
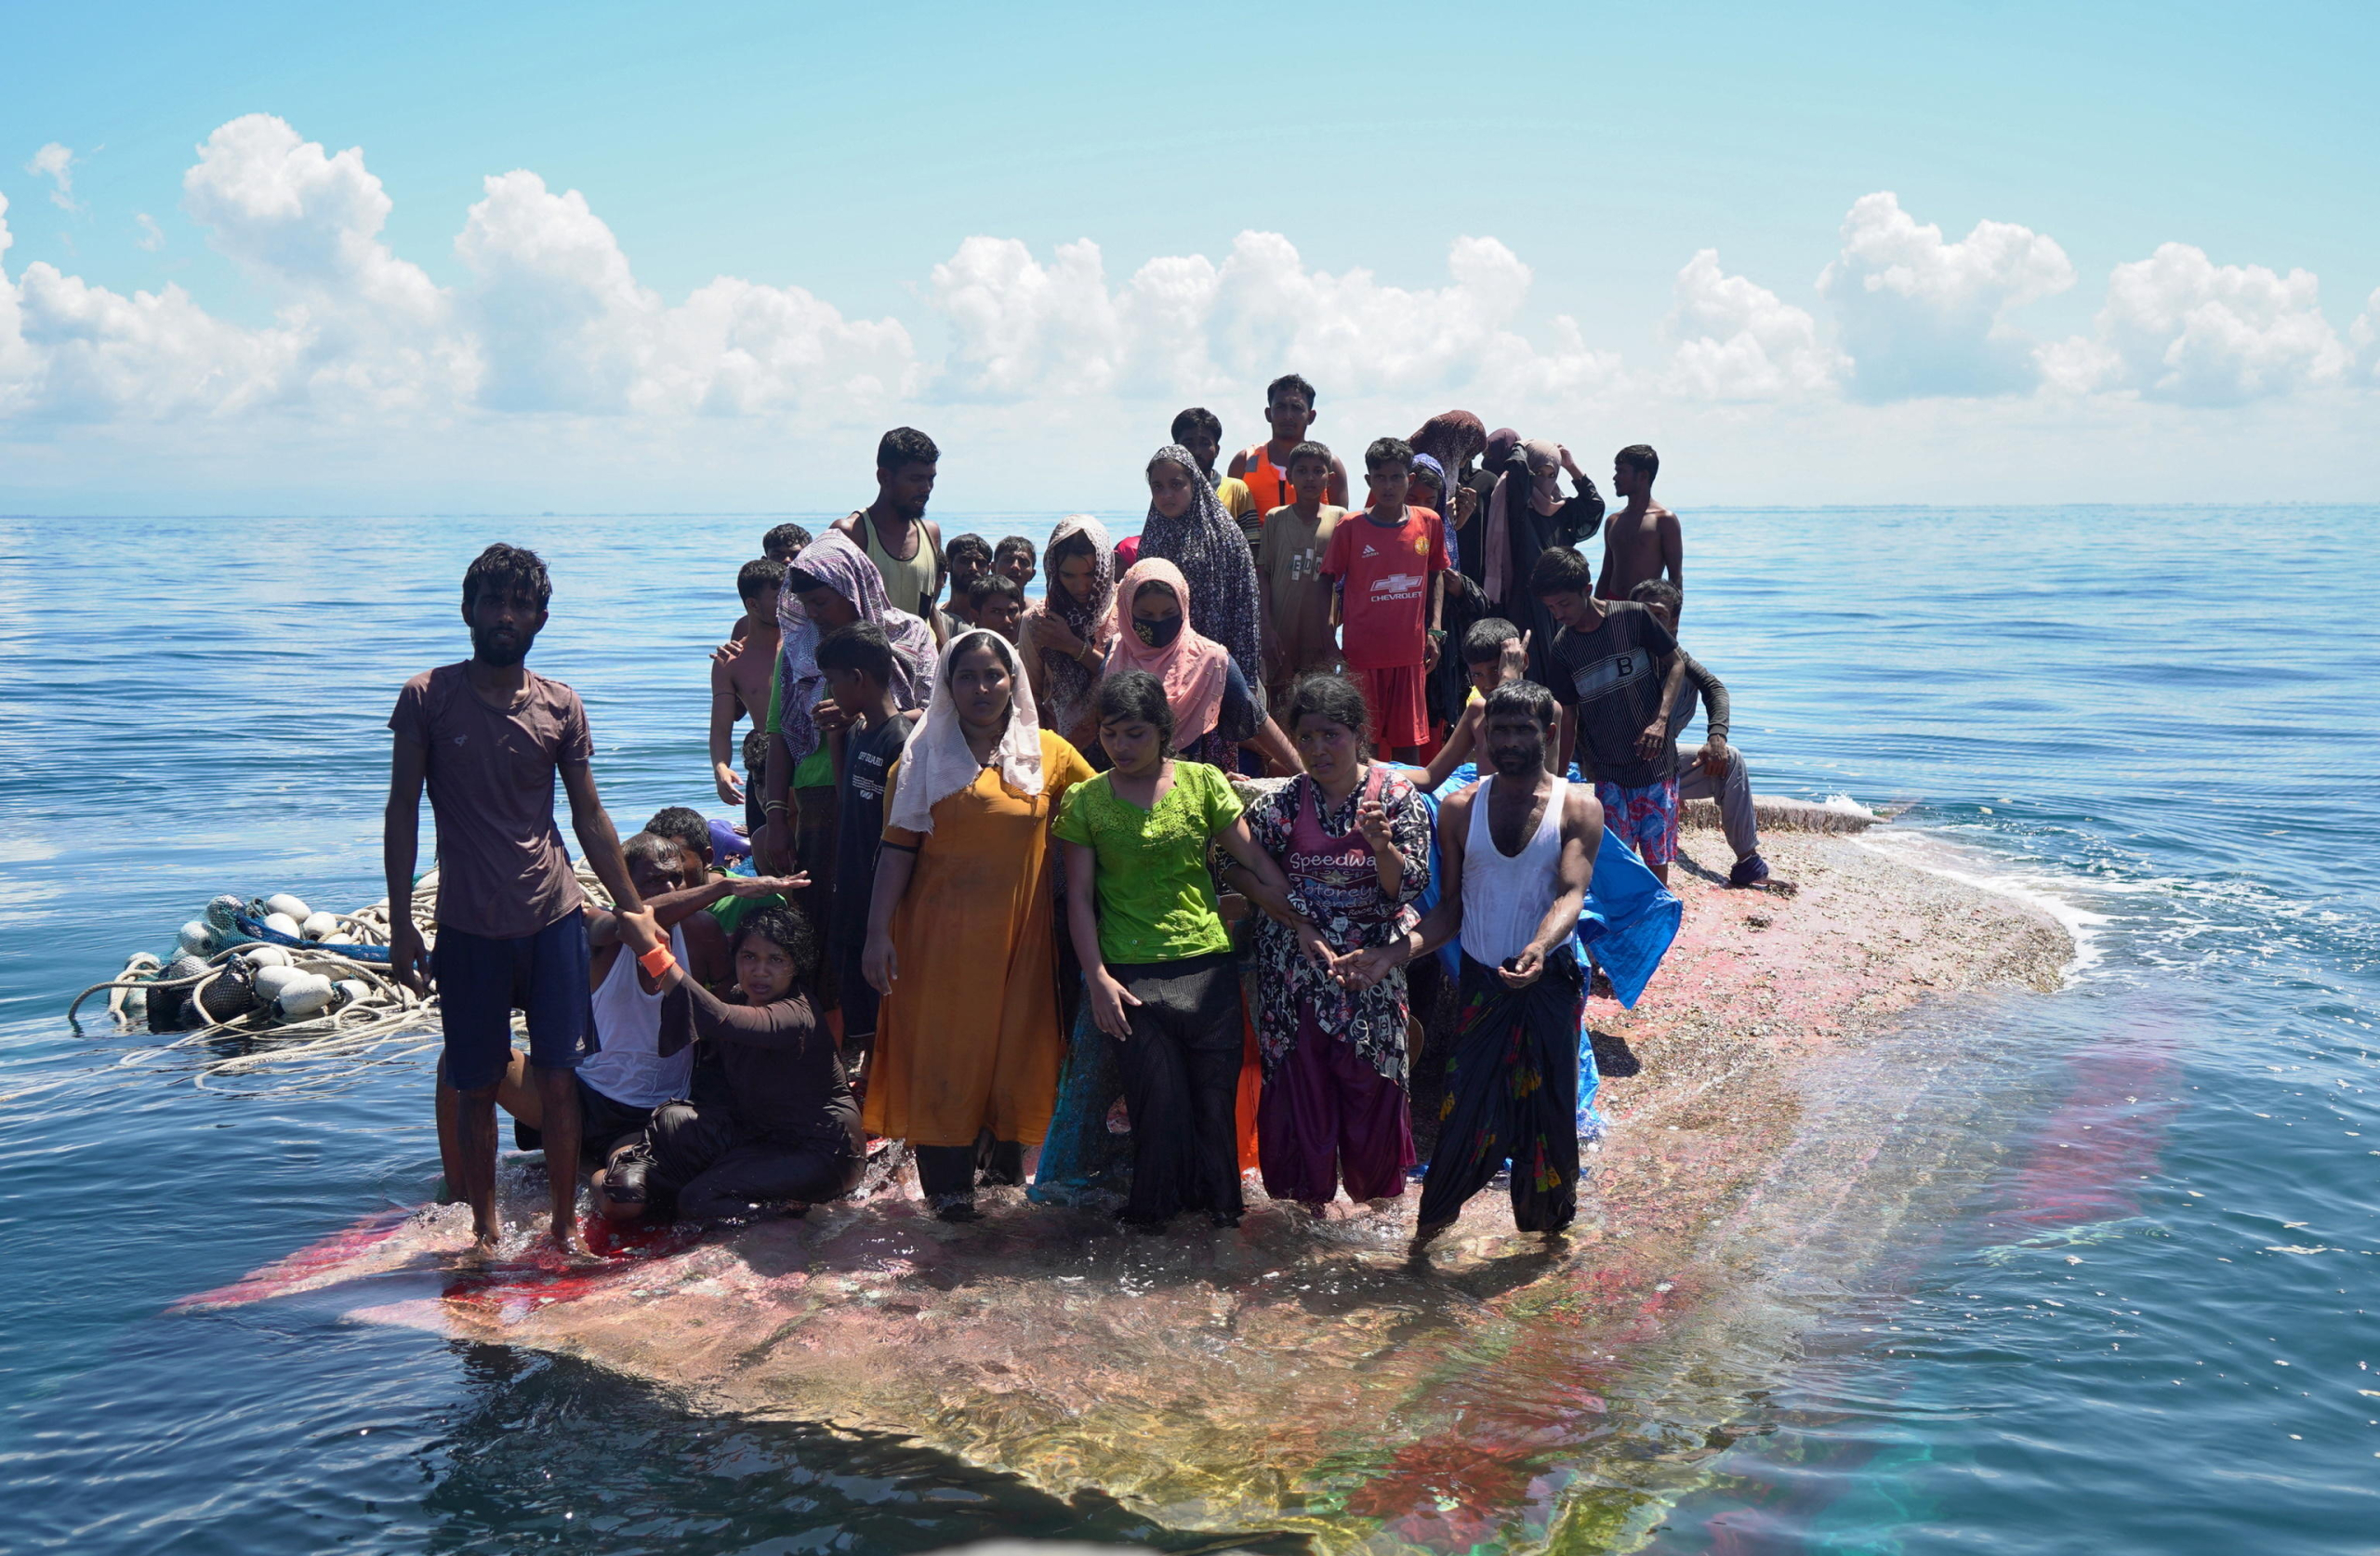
(2054, 894)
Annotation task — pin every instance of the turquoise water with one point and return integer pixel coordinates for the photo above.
(2147, 1323)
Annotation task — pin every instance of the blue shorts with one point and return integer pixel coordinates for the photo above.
(480, 981)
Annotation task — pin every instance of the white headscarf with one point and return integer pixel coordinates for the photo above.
(937, 761)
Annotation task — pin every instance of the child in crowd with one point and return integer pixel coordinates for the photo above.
(1201, 431)
(858, 662)
(488, 737)
(995, 603)
(740, 674)
(1494, 651)
(772, 1121)
(1617, 699)
(1643, 539)
(1389, 564)
(1155, 951)
(1296, 597)
(968, 558)
(1288, 410)
(1014, 559)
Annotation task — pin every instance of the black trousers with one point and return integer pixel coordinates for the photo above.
(1512, 1085)
(948, 1172)
(711, 1167)
(1181, 1069)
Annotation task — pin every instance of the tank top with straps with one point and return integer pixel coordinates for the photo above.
(629, 1067)
(1506, 896)
(911, 584)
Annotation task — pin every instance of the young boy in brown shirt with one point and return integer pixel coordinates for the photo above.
(1295, 598)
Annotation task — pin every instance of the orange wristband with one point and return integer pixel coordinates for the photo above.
(657, 961)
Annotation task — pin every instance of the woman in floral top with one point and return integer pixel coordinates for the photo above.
(1354, 841)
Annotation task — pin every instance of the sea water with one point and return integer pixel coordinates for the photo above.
(2129, 1299)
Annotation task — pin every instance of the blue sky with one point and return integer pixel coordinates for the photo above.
(828, 159)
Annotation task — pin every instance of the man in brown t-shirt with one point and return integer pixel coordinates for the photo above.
(489, 736)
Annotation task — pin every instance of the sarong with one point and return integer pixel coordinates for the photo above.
(1512, 1090)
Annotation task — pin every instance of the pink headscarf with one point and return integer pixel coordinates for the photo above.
(1193, 668)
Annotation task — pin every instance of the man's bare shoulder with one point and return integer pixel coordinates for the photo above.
(1458, 803)
(1582, 811)
(1238, 466)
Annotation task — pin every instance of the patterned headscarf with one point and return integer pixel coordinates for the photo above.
(937, 762)
(1211, 551)
(1069, 685)
(1194, 668)
(844, 567)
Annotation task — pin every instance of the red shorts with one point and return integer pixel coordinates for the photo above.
(1395, 697)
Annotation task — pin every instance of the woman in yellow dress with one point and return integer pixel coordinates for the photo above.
(961, 942)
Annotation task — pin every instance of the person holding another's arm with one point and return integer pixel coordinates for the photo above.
(487, 738)
(1158, 959)
(785, 1129)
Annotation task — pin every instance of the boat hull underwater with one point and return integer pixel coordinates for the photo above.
(1800, 1080)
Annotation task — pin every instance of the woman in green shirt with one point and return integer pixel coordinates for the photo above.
(1155, 955)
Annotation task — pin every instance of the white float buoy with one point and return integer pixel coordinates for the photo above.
(282, 924)
(281, 902)
(196, 938)
(265, 954)
(352, 991)
(319, 926)
(303, 995)
(275, 977)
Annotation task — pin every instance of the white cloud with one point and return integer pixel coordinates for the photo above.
(56, 163)
(2364, 336)
(2178, 327)
(1185, 326)
(1738, 340)
(1920, 316)
(564, 326)
(152, 237)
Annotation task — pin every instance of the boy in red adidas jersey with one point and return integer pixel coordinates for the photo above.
(1390, 565)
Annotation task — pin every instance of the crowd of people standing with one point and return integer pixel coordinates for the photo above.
(1193, 806)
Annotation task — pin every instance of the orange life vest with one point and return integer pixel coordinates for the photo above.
(1267, 482)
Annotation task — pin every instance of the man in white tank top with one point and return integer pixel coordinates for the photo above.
(1516, 851)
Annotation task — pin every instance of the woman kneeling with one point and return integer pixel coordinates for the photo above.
(772, 1120)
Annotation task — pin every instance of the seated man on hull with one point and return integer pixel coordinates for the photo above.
(1618, 674)
(772, 1118)
(1713, 769)
(1643, 539)
(1515, 852)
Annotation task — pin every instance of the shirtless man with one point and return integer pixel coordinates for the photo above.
(1288, 410)
(1641, 540)
(739, 678)
(1516, 851)
(903, 544)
